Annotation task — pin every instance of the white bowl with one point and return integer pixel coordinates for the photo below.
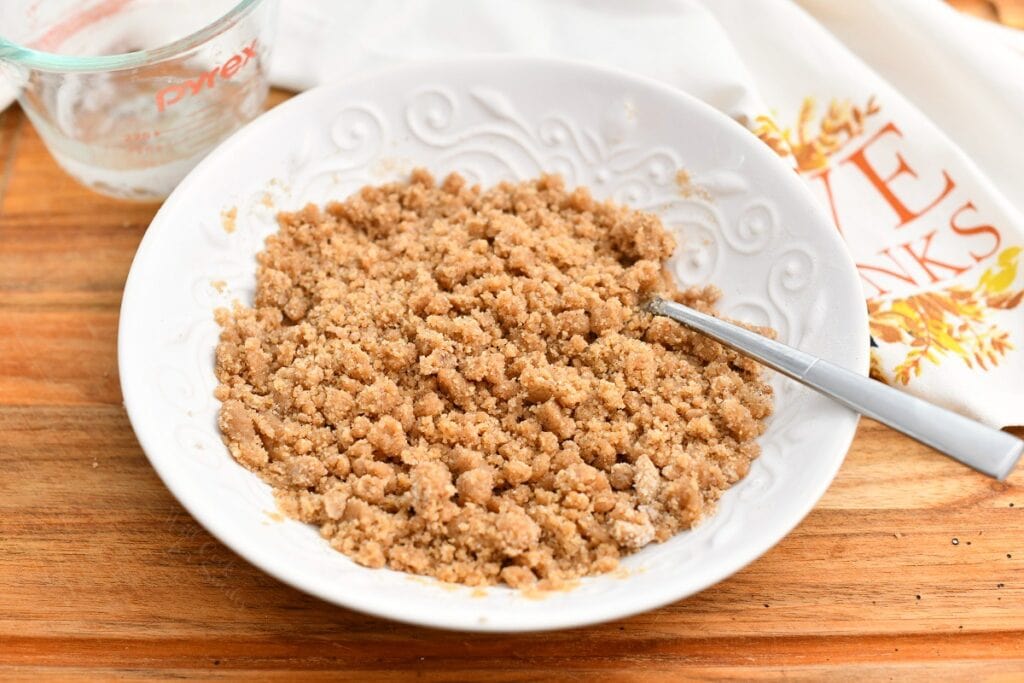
(751, 227)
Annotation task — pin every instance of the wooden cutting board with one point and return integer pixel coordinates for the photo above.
(911, 565)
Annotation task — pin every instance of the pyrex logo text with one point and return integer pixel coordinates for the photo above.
(175, 93)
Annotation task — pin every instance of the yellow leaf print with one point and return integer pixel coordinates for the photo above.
(998, 281)
(950, 321)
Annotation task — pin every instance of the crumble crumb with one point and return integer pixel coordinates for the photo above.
(460, 383)
(229, 219)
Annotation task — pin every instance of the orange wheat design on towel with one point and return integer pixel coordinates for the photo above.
(951, 321)
(814, 141)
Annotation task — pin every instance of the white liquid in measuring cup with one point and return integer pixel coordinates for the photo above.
(110, 140)
(136, 132)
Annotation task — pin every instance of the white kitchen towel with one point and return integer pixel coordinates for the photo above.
(968, 81)
(937, 243)
(904, 117)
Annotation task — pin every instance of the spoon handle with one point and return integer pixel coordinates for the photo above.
(984, 448)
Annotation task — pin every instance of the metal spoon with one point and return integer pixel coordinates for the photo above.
(984, 448)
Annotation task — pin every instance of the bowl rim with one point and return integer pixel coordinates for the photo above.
(381, 607)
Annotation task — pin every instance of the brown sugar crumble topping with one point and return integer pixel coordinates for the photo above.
(461, 383)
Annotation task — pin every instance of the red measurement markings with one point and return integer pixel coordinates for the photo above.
(144, 142)
(63, 30)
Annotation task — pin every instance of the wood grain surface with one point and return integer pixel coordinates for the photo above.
(911, 567)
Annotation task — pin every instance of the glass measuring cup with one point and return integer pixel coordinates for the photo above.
(129, 95)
